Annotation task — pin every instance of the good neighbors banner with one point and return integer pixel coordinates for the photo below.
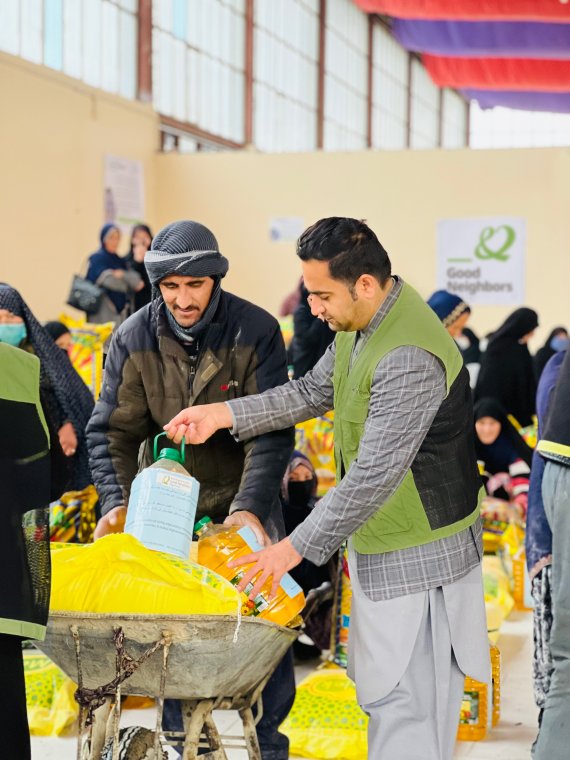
(482, 260)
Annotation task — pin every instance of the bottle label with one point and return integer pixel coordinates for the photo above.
(289, 586)
(469, 715)
(162, 510)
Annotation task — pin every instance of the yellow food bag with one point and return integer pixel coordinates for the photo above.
(52, 709)
(315, 439)
(72, 518)
(86, 352)
(498, 599)
(326, 721)
(118, 574)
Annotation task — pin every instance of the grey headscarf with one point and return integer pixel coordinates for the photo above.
(188, 249)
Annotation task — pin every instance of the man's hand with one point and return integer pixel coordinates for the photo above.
(197, 423)
(272, 562)
(112, 522)
(67, 439)
(243, 518)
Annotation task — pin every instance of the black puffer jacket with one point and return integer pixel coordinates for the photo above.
(149, 378)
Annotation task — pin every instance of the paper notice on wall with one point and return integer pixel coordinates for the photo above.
(124, 192)
(482, 259)
(284, 229)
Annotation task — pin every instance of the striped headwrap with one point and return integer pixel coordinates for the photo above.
(187, 249)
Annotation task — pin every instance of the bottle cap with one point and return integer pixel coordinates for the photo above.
(202, 524)
(172, 454)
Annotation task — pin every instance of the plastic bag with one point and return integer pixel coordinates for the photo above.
(326, 720)
(341, 611)
(315, 439)
(72, 518)
(498, 599)
(86, 352)
(52, 709)
(118, 574)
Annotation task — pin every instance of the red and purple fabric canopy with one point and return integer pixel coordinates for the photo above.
(514, 53)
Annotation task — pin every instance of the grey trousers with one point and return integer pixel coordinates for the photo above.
(554, 737)
(423, 710)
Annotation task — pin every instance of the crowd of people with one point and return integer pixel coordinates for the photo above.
(422, 408)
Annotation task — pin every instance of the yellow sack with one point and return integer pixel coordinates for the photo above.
(52, 709)
(326, 721)
(86, 352)
(315, 439)
(72, 517)
(498, 599)
(118, 574)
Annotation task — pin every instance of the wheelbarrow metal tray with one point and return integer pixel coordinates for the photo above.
(204, 661)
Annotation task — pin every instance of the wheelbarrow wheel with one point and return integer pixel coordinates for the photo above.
(135, 743)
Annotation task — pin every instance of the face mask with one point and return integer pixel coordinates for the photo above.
(300, 492)
(559, 343)
(13, 334)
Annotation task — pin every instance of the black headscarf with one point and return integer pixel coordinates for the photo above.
(507, 372)
(73, 398)
(101, 261)
(144, 296)
(508, 447)
(546, 352)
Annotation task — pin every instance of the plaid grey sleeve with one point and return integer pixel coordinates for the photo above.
(407, 390)
(286, 405)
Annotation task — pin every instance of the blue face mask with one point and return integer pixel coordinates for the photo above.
(559, 343)
(13, 334)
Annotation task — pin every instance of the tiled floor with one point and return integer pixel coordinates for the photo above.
(511, 740)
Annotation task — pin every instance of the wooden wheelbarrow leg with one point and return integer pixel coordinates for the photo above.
(99, 729)
(197, 717)
(250, 734)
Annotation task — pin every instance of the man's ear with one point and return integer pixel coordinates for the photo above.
(368, 285)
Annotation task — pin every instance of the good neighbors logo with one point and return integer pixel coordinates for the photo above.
(482, 260)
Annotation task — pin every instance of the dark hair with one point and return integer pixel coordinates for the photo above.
(140, 228)
(350, 247)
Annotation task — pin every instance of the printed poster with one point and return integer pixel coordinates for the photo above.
(483, 259)
(124, 193)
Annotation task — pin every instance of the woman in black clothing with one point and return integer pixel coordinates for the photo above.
(311, 337)
(507, 372)
(141, 239)
(556, 341)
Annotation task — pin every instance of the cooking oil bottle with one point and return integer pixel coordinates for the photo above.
(163, 502)
(481, 706)
(220, 544)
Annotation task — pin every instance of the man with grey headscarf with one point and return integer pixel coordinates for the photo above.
(194, 344)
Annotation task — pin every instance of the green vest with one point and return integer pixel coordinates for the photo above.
(402, 521)
(19, 389)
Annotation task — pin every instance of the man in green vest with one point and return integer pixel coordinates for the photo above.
(407, 494)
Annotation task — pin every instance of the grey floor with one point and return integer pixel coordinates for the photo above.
(511, 740)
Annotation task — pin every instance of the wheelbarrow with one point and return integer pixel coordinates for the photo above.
(210, 663)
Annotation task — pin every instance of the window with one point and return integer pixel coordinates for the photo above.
(198, 64)
(389, 91)
(91, 40)
(506, 128)
(454, 120)
(346, 77)
(286, 58)
(424, 116)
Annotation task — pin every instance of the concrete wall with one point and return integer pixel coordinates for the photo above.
(54, 134)
(401, 194)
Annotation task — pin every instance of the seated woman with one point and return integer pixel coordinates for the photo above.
(505, 455)
(298, 497)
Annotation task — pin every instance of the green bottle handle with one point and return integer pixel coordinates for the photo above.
(182, 446)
